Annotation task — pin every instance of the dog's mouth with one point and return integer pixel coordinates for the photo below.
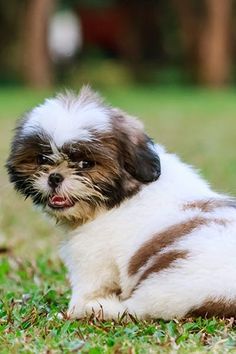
(59, 202)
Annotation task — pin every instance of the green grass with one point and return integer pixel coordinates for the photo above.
(34, 291)
(33, 320)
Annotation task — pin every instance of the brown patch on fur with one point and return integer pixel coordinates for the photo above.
(128, 125)
(103, 150)
(220, 221)
(163, 261)
(24, 153)
(24, 162)
(219, 308)
(164, 239)
(209, 205)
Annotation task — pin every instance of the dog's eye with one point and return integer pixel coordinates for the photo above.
(86, 164)
(43, 160)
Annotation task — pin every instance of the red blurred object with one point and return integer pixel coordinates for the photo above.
(104, 27)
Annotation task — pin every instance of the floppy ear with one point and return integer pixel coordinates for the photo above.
(138, 153)
(142, 161)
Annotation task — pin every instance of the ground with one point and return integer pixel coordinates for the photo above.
(34, 292)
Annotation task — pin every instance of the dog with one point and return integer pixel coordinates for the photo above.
(146, 235)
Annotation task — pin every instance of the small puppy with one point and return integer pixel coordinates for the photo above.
(147, 235)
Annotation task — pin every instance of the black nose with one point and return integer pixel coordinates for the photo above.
(55, 179)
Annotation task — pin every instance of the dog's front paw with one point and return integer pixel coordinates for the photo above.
(76, 309)
(105, 309)
(109, 308)
(94, 308)
(74, 313)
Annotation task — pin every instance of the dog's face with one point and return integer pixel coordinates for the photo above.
(75, 157)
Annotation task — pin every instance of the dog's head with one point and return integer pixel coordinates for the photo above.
(76, 156)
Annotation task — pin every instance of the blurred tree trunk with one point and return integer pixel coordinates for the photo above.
(206, 39)
(36, 62)
(189, 23)
(214, 46)
(142, 45)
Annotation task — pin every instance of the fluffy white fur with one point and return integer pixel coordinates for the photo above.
(98, 253)
(66, 121)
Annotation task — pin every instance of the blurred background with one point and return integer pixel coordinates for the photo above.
(170, 62)
(111, 42)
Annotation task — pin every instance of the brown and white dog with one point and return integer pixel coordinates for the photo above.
(147, 235)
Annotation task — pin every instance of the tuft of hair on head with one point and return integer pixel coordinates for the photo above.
(85, 97)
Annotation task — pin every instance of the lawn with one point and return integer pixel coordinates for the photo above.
(198, 125)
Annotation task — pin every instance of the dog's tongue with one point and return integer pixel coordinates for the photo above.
(59, 201)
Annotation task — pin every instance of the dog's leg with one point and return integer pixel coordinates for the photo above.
(92, 274)
(77, 303)
(87, 292)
